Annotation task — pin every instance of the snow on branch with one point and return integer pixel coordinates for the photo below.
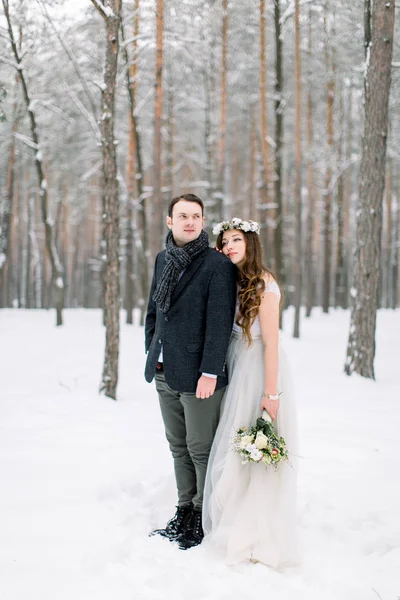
(91, 171)
(105, 11)
(26, 140)
(9, 62)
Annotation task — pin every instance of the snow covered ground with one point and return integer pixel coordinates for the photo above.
(84, 479)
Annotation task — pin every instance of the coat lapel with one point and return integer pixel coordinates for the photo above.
(187, 276)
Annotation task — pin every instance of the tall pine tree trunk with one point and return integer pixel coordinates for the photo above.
(222, 111)
(388, 246)
(340, 285)
(5, 223)
(395, 299)
(278, 231)
(361, 343)
(142, 205)
(131, 177)
(348, 186)
(330, 95)
(157, 200)
(249, 207)
(264, 191)
(310, 258)
(297, 266)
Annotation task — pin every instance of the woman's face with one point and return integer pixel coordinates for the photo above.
(234, 246)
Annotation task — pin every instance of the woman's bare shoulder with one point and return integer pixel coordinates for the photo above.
(268, 278)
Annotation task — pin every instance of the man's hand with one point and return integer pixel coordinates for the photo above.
(205, 387)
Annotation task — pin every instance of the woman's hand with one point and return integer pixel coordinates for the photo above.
(271, 406)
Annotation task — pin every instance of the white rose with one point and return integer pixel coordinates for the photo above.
(254, 226)
(256, 455)
(261, 441)
(217, 229)
(245, 441)
(246, 226)
(250, 448)
(236, 221)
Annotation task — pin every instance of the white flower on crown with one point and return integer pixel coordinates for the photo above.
(236, 223)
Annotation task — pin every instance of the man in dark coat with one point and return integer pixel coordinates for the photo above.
(188, 326)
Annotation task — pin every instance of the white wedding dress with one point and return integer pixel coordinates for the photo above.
(249, 509)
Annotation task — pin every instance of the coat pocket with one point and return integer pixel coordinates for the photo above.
(194, 347)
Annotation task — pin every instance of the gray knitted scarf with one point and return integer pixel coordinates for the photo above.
(176, 261)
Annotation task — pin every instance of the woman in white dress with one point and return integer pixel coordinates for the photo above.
(249, 509)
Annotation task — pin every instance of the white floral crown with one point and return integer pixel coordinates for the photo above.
(236, 224)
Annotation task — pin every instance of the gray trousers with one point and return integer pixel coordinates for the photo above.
(190, 425)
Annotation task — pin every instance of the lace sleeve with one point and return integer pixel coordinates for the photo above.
(272, 286)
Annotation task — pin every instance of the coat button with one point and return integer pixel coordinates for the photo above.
(160, 341)
(167, 318)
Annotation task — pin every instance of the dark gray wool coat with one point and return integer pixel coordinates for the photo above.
(194, 333)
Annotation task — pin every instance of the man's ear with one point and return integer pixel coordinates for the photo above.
(168, 220)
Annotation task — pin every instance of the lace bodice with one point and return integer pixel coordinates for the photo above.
(255, 330)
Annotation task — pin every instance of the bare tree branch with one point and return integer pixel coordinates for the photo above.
(105, 11)
(289, 12)
(72, 58)
(9, 62)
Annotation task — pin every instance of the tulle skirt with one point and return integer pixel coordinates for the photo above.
(249, 509)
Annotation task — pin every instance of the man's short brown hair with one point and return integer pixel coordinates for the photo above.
(188, 198)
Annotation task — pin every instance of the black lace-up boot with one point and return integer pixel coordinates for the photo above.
(193, 535)
(177, 525)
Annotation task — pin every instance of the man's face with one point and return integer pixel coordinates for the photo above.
(186, 222)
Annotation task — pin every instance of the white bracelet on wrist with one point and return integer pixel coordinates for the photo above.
(272, 396)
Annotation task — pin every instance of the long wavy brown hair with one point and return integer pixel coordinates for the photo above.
(250, 280)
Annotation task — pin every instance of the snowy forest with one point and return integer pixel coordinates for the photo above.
(109, 109)
(286, 112)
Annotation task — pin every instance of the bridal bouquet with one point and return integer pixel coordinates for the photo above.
(260, 443)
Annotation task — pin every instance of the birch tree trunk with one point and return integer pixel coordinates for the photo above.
(56, 266)
(110, 11)
(361, 342)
